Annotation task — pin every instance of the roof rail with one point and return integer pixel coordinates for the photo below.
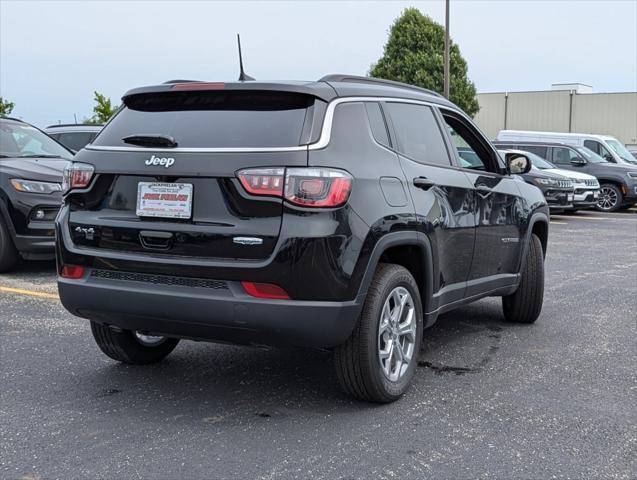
(7, 117)
(339, 77)
(75, 125)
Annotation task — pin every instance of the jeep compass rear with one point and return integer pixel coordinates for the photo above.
(281, 214)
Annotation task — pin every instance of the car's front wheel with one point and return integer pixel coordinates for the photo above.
(525, 304)
(132, 347)
(8, 254)
(610, 198)
(378, 361)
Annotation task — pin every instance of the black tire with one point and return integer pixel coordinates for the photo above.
(125, 347)
(610, 198)
(357, 361)
(9, 255)
(525, 305)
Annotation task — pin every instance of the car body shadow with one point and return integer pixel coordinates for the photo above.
(224, 383)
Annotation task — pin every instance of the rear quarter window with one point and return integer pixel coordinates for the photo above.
(239, 119)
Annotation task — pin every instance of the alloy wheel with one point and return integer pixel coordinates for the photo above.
(607, 199)
(397, 333)
(149, 340)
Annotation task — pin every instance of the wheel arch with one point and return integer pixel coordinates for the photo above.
(538, 225)
(411, 250)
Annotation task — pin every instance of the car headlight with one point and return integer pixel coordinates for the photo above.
(31, 186)
(632, 174)
(546, 181)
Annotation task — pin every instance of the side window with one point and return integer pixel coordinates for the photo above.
(471, 151)
(540, 151)
(417, 133)
(377, 123)
(75, 140)
(563, 155)
(593, 145)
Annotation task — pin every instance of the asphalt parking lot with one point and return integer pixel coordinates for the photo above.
(490, 400)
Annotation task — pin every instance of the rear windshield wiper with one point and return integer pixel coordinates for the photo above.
(150, 140)
(38, 156)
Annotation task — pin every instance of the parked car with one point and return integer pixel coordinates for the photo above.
(633, 152)
(586, 187)
(607, 147)
(31, 166)
(557, 189)
(332, 214)
(618, 183)
(73, 136)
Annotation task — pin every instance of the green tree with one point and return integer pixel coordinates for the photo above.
(6, 107)
(102, 111)
(414, 54)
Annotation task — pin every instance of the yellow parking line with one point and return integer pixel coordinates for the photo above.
(32, 293)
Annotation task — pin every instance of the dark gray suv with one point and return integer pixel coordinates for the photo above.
(618, 182)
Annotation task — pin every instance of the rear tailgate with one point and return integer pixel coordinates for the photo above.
(186, 201)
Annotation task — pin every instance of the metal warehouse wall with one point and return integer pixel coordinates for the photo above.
(560, 111)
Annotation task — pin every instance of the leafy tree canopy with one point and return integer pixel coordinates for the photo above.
(414, 54)
(102, 111)
(6, 107)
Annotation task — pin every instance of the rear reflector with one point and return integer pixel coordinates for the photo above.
(72, 271)
(265, 290)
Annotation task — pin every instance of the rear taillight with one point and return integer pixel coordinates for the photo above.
(77, 175)
(263, 181)
(307, 187)
(265, 290)
(72, 271)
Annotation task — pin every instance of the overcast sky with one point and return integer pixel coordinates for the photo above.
(53, 54)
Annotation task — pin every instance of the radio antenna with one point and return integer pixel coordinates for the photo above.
(242, 75)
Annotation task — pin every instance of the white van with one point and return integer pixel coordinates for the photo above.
(603, 145)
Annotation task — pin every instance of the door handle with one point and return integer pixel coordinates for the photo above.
(423, 182)
(483, 191)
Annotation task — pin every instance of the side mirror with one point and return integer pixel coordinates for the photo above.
(517, 164)
(578, 161)
(609, 158)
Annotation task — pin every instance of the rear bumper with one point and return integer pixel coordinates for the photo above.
(224, 314)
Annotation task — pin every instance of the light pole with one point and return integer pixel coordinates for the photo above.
(446, 79)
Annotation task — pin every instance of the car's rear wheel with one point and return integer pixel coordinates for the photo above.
(8, 253)
(525, 304)
(132, 347)
(378, 361)
(610, 198)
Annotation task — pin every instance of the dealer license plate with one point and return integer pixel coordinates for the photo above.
(165, 200)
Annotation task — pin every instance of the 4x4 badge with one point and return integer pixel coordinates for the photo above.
(163, 161)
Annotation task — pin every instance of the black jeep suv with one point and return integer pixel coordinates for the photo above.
(332, 214)
(31, 166)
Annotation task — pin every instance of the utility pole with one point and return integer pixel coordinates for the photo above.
(446, 79)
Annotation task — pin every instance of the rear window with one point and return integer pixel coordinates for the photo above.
(239, 119)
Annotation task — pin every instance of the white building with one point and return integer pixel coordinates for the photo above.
(567, 107)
